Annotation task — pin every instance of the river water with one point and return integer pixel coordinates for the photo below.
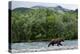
(43, 46)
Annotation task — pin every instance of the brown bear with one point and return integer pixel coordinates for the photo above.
(56, 41)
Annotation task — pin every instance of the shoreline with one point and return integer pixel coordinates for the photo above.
(40, 41)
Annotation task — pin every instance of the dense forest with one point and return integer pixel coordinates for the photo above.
(43, 24)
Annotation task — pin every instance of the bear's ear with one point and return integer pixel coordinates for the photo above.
(62, 40)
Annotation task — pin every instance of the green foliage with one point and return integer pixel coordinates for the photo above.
(43, 24)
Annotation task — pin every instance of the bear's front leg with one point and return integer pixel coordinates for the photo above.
(59, 44)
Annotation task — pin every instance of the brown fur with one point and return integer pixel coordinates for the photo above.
(56, 41)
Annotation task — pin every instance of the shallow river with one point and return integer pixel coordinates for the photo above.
(43, 46)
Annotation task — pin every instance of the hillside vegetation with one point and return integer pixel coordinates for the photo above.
(43, 24)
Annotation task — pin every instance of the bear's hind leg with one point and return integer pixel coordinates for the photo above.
(57, 44)
(53, 44)
(49, 44)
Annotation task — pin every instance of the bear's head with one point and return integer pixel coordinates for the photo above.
(62, 40)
